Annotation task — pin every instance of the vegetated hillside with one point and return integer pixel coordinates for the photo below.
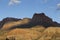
(51, 33)
(39, 27)
(8, 19)
(15, 23)
(24, 34)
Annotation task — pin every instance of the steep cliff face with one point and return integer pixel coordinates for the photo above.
(42, 19)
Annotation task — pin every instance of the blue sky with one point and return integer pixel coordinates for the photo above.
(26, 8)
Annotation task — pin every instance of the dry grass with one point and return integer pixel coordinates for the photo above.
(11, 24)
(50, 33)
(25, 34)
(35, 33)
(38, 28)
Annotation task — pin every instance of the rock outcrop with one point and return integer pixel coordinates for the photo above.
(42, 19)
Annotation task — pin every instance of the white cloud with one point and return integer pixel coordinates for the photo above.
(58, 6)
(12, 2)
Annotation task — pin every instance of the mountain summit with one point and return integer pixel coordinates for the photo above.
(42, 19)
(37, 19)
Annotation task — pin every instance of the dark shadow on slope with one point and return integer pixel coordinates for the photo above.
(8, 19)
(30, 25)
(39, 19)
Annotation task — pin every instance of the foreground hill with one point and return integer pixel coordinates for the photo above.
(24, 34)
(35, 33)
(39, 27)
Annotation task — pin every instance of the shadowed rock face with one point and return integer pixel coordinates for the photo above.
(8, 19)
(37, 19)
(56, 24)
(42, 19)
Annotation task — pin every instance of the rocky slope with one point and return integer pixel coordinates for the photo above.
(39, 27)
(42, 19)
(37, 19)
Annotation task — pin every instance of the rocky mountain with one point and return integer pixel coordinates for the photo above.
(42, 19)
(39, 27)
(37, 19)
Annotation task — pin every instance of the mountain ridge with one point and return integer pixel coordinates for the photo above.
(39, 27)
(37, 19)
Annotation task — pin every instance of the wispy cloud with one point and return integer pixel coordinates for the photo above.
(58, 6)
(12, 2)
